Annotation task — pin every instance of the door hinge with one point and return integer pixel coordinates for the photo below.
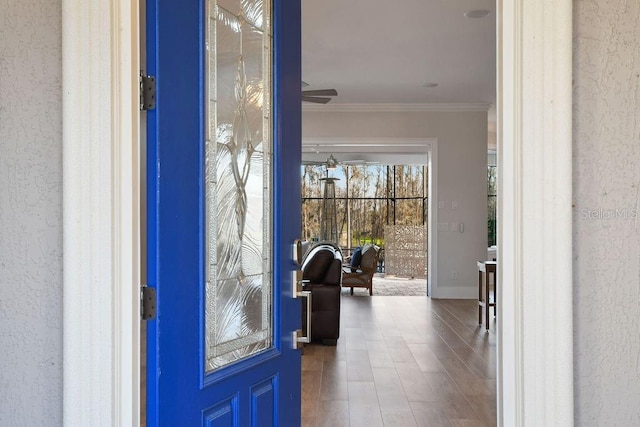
(147, 303)
(147, 92)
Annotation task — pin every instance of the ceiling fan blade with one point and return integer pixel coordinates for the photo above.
(315, 99)
(320, 92)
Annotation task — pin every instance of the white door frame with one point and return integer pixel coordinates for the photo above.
(535, 337)
(101, 201)
(101, 127)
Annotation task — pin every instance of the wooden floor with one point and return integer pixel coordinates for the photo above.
(403, 361)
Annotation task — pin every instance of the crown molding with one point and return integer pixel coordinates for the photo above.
(396, 108)
(373, 146)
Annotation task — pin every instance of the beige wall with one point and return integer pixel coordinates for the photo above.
(30, 213)
(606, 176)
(462, 178)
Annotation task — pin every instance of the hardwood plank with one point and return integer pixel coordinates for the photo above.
(391, 395)
(312, 358)
(400, 353)
(359, 371)
(464, 378)
(363, 405)
(415, 384)
(399, 419)
(485, 409)
(338, 352)
(428, 414)
(425, 358)
(467, 423)
(334, 384)
(358, 366)
(443, 383)
(356, 341)
(308, 421)
(377, 345)
(372, 334)
(310, 392)
(457, 406)
(333, 413)
(380, 359)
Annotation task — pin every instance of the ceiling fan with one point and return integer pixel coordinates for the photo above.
(331, 163)
(317, 96)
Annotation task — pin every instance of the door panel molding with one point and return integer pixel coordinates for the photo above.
(101, 212)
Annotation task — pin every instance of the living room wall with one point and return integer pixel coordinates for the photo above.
(462, 178)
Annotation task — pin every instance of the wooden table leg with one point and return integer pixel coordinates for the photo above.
(495, 294)
(487, 306)
(479, 297)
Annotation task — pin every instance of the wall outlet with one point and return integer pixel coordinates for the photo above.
(454, 275)
(443, 226)
(441, 204)
(454, 204)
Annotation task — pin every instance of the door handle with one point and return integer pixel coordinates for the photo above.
(298, 292)
(307, 338)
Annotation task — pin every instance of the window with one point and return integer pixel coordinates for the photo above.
(368, 197)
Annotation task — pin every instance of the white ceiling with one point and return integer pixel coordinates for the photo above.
(372, 51)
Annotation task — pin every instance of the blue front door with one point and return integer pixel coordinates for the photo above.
(223, 200)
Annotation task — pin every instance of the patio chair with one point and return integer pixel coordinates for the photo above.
(361, 276)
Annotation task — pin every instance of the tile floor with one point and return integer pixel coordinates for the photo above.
(392, 286)
(402, 361)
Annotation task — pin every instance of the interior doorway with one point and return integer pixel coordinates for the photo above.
(385, 190)
(333, 140)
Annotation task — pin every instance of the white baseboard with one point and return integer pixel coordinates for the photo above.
(457, 292)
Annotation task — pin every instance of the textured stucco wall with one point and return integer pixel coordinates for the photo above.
(30, 213)
(607, 244)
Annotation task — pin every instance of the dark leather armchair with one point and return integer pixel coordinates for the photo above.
(322, 273)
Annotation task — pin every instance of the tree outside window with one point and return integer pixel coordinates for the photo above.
(368, 198)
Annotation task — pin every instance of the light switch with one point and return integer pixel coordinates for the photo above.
(441, 204)
(454, 204)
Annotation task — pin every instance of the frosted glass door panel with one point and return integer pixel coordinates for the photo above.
(239, 291)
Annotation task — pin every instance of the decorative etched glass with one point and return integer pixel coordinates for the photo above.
(238, 182)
